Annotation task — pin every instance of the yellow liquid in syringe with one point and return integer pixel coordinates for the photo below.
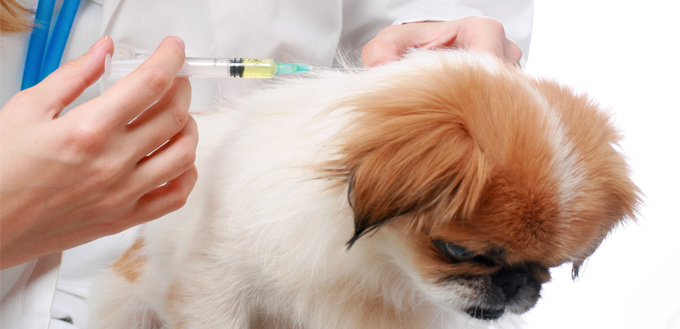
(257, 68)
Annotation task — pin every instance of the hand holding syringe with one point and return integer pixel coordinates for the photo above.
(217, 67)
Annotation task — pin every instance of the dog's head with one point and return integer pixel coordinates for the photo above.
(491, 176)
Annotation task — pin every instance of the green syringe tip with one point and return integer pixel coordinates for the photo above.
(291, 68)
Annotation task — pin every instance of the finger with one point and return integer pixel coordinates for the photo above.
(391, 43)
(165, 199)
(161, 121)
(513, 53)
(482, 34)
(125, 100)
(379, 52)
(490, 46)
(65, 84)
(170, 161)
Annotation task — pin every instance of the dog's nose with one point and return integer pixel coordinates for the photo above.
(510, 281)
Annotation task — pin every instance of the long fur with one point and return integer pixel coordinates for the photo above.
(319, 198)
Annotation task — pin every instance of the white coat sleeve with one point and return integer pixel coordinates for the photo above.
(27, 303)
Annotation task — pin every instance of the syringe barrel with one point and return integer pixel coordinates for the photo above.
(215, 67)
(228, 67)
(205, 67)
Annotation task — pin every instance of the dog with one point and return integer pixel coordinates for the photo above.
(433, 192)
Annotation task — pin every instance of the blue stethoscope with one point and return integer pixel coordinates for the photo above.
(40, 62)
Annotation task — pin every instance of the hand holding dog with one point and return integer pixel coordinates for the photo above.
(474, 33)
(68, 180)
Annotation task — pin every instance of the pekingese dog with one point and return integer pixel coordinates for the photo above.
(433, 192)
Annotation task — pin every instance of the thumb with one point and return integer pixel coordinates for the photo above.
(64, 85)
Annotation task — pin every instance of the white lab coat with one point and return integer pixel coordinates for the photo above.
(309, 31)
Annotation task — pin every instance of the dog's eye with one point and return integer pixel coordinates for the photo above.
(453, 251)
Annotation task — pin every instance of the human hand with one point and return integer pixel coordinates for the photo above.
(68, 180)
(474, 33)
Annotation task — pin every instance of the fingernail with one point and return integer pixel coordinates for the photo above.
(180, 41)
(99, 42)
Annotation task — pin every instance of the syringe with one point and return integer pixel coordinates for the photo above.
(216, 67)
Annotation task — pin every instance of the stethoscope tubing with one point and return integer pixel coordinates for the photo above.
(43, 58)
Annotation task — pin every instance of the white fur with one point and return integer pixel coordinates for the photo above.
(263, 241)
(566, 167)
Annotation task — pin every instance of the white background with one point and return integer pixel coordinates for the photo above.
(626, 56)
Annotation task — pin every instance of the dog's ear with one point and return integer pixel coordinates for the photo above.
(427, 171)
(410, 154)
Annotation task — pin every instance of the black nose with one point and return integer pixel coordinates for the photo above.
(510, 281)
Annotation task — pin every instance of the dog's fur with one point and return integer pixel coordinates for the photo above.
(427, 193)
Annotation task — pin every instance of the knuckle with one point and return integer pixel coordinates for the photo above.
(70, 66)
(74, 72)
(156, 81)
(23, 100)
(193, 127)
(24, 97)
(113, 226)
(183, 160)
(103, 174)
(177, 200)
(373, 52)
(189, 135)
(193, 178)
(512, 53)
(517, 53)
(185, 83)
(108, 213)
(187, 160)
(180, 115)
(485, 23)
(492, 24)
(185, 185)
(184, 90)
(374, 46)
(386, 37)
(190, 180)
(86, 139)
(110, 203)
(516, 49)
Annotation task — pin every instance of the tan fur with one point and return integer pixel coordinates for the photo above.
(131, 264)
(14, 17)
(455, 158)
